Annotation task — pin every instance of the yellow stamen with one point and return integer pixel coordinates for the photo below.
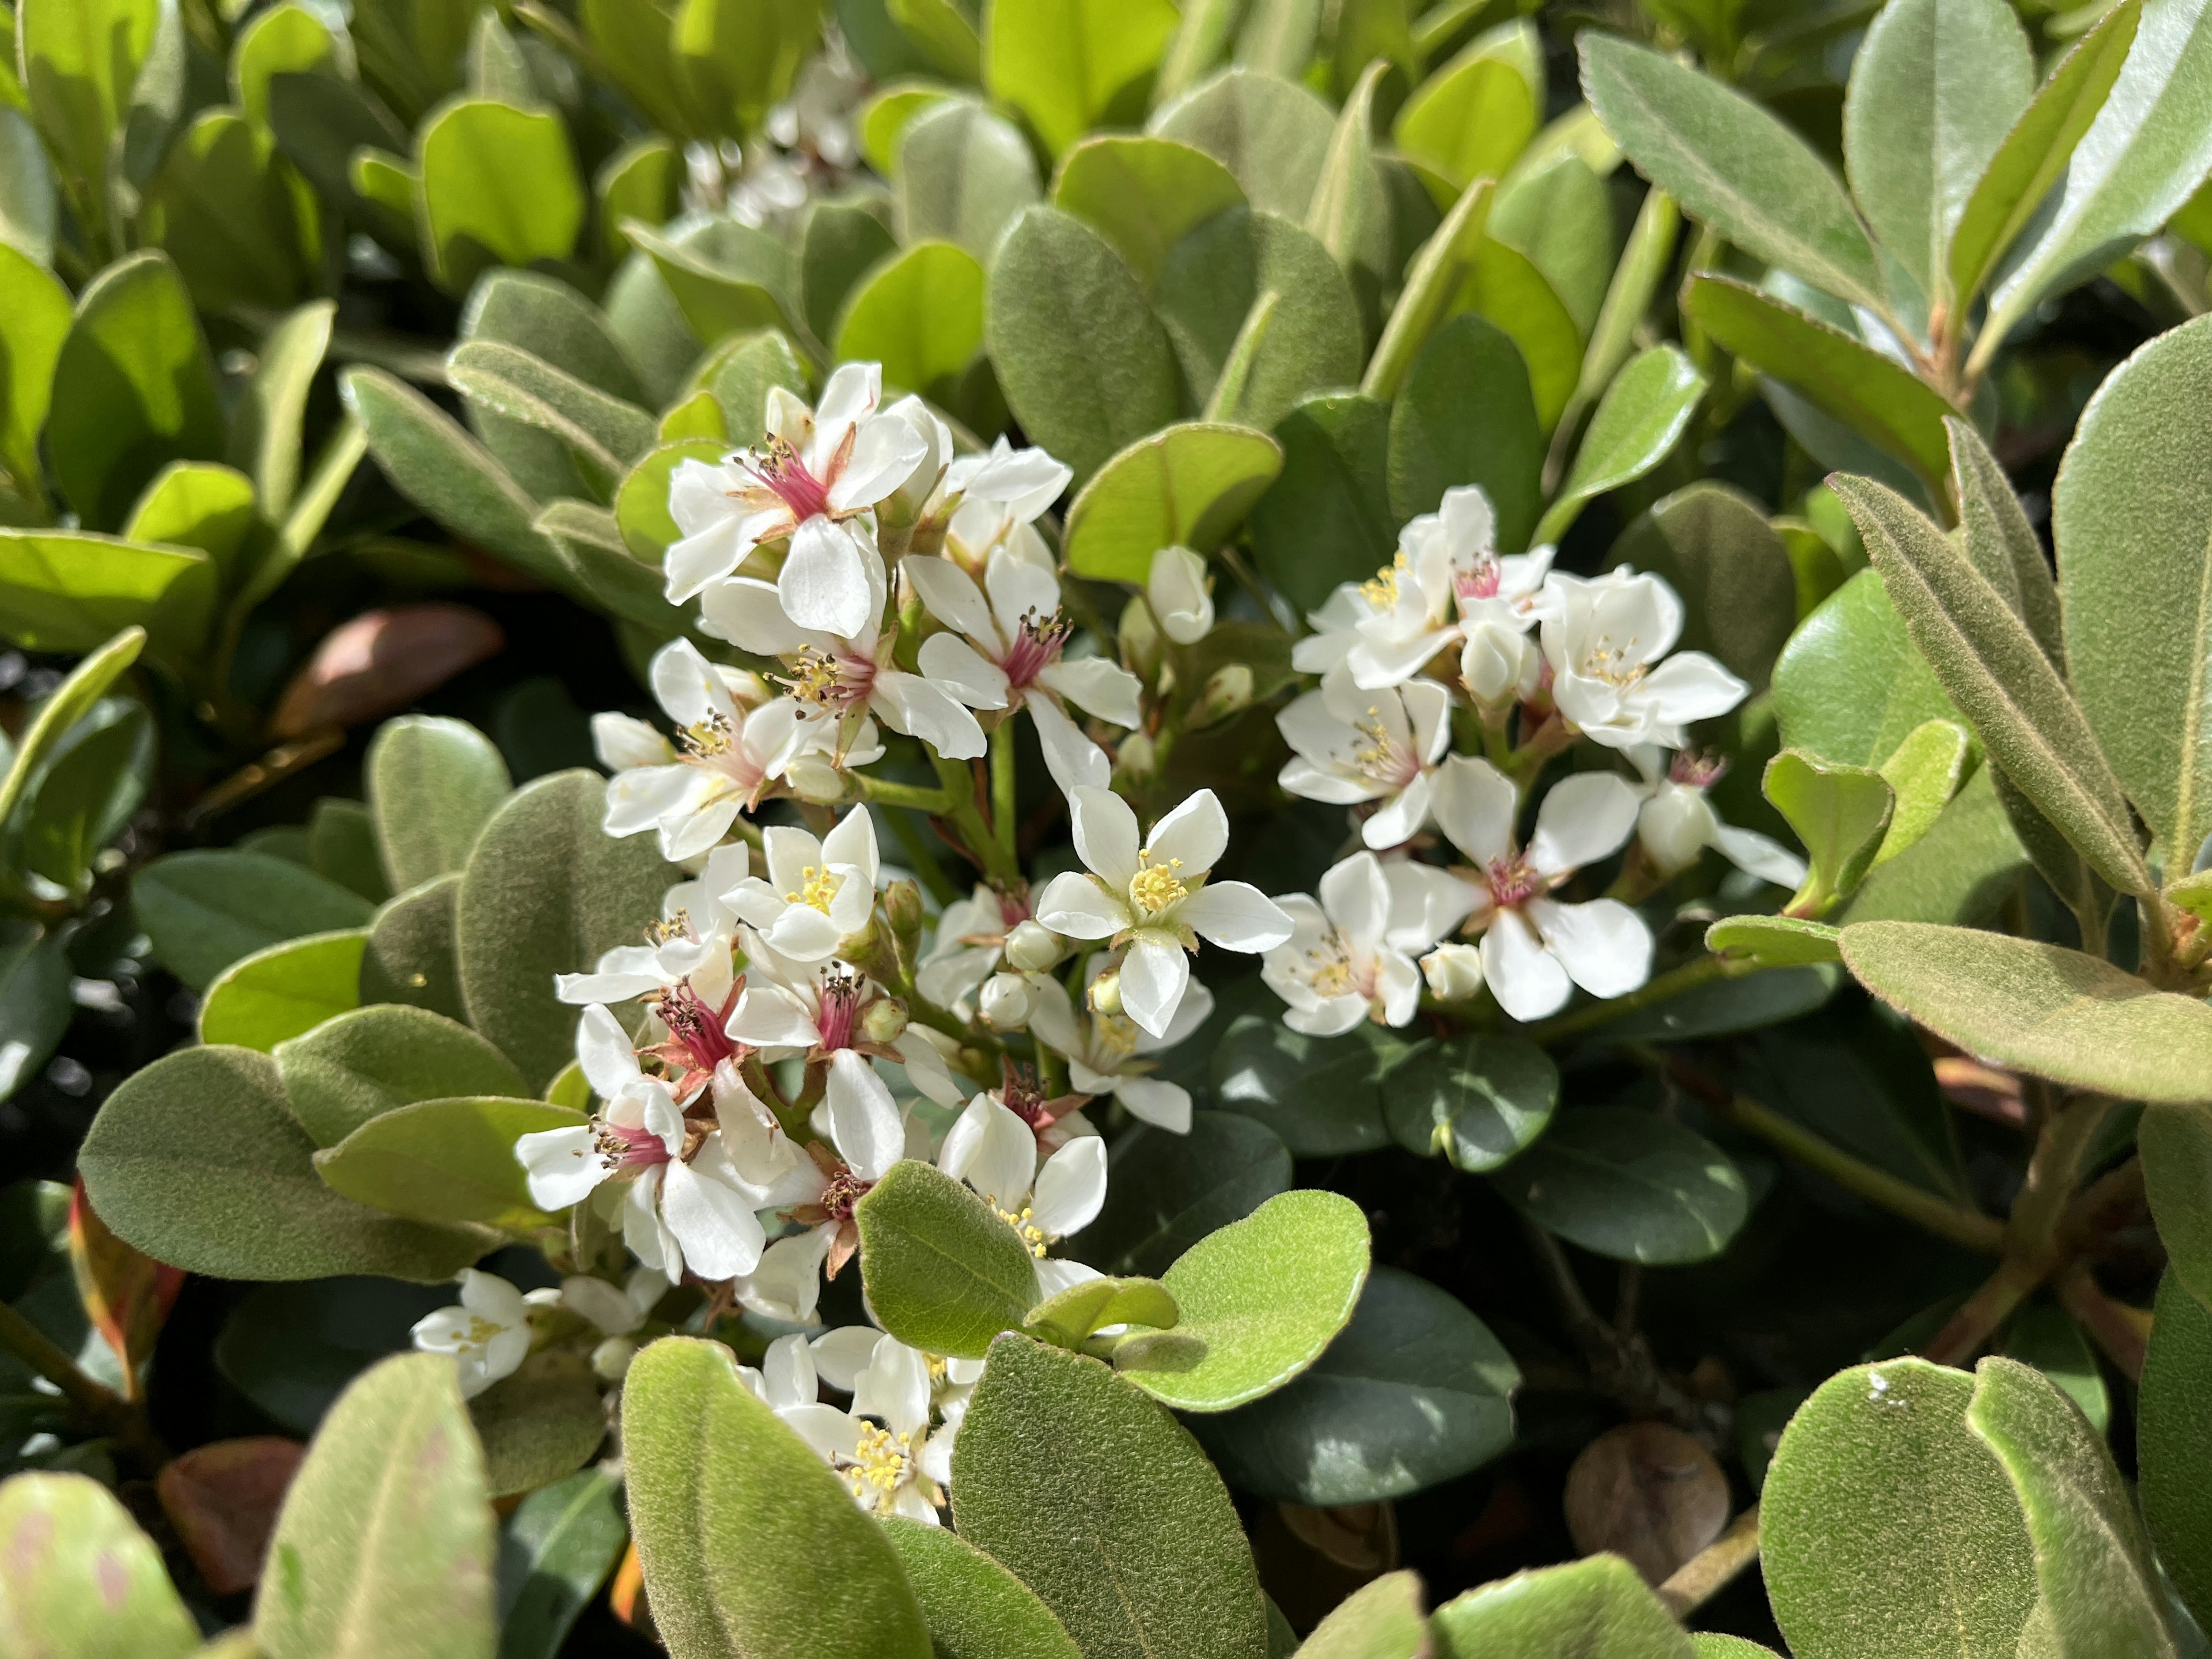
(708, 737)
(1155, 887)
(879, 1463)
(482, 1330)
(1026, 1230)
(817, 886)
(1382, 588)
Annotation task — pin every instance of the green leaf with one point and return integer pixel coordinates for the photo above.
(205, 910)
(1715, 547)
(1102, 1504)
(1855, 1075)
(35, 1006)
(2044, 1336)
(86, 795)
(1994, 530)
(1326, 518)
(1987, 658)
(641, 180)
(1885, 404)
(546, 892)
(2041, 1008)
(1466, 416)
(198, 1161)
(1933, 90)
(1732, 165)
(2176, 1145)
(1086, 367)
(1323, 1096)
(1272, 134)
(233, 215)
(499, 187)
(1774, 941)
(1958, 871)
(962, 175)
(1381, 1620)
(539, 1423)
(71, 591)
(443, 1160)
(1069, 1318)
(1477, 1101)
(1629, 1185)
(1413, 1392)
(1260, 315)
(1503, 284)
(942, 1272)
(1560, 214)
(604, 433)
(602, 572)
(386, 1542)
(372, 1060)
(199, 504)
(36, 320)
(2036, 150)
(1188, 485)
(920, 315)
(432, 783)
(1936, 1561)
(410, 957)
(839, 243)
(283, 990)
(1838, 813)
(2173, 1441)
(28, 195)
(1642, 414)
(642, 503)
(1595, 1608)
(555, 1550)
(133, 389)
(1165, 1191)
(740, 58)
(1923, 774)
(1474, 116)
(975, 1608)
(1259, 1300)
(1070, 65)
(285, 39)
(78, 1576)
(1734, 1004)
(1434, 278)
(1849, 687)
(1710, 1644)
(37, 744)
(79, 60)
(2142, 157)
(739, 1522)
(1144, 194)
(944, 33)
(548, 318)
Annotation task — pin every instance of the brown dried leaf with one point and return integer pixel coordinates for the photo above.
(380, 662)
(1646, 1492)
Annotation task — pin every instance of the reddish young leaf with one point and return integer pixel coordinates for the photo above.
(222, 1499)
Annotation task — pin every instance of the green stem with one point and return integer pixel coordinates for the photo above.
(962, 812)
(94, 1402)
(1669, 985)
(885, 791)
(1003, 781)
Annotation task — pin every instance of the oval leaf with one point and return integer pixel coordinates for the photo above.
(975, 1608)
(942, 1273)
(1629, 1185)
(1187, 486)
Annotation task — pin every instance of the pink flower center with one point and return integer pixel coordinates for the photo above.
(783, 473)
(841, 1193)
(1479, 582)
(1013, 910)
(1695, 770)
(841, 1005)
(630, 1146)
(695, 1029)
(1035, 648)
(1512, 881)
(835, 684)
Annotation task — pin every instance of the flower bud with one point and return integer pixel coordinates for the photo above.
(1454, 972)
(812, 778)
(882, 1020)
(1033, 948)
(1137, 757)
(1176, 589)
(1227, 691)
(1139, 640)
(612, 1357)
(1105, 994)
(1675, 825)
(1500, 665)
(1006, 1002)
(903, 904)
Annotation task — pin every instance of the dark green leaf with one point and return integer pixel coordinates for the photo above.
(292, 1348)
(962, 175)
(1477, 1101)
(233, 215)
(975, 1608)
(1272, 134)
(1321, 1095)
(445, 1161)
(555, 1552)
(1849, 687)
(432, 784)
(365, 1063)
(1629, 1185)
(1466, 416)
(1716, 549)
(920, 315)
(2176, 1145)
(205, 910)
(1326, 518)
(36, 1007)
(2174, 1442)
(411, 957)
(540, 1423)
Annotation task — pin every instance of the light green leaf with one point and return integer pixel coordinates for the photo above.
(1327, 517)
(1714, 546)
(1923, 774)
(29, 206)
(1349, 197)
(198, 1161)
(975, 1608)
(1933, 90)
(1849, 687)
(1166, 1192)
(739, 1523)
(2173, 1441)
(1468, 416)
(963, 174)
(555, 1551)
(233, 213)
(499, 187)
(641, 180)
(740, 58)
(2043, 1334)
(35, 321)
(1594, 1608)
(944, 33)
(1102, 1504)
(385, 1543)
(1641, 415)
(285, 39)
(432, 783)
(37, 744)
(1259, 1300)
(1774, 941)
(839, 243)
(942, 1272)
(2176, 1146)
(1994, 530)
(283, 990)
(365, 1063)
(1560, 214)
(201, 505)
(1712, 1645)
(410, 957)
(1323, 1096)
(920, 315)
(546, 891)
(1413, 1392)
(1503, 284)
(1958, 871)
(1629, 1185)
(1144, 194)
(1086, 367)
(79, 60)
(1644, 262)
(1070, 65)
(1730, 164)
(1272, 134)
(1984, 657)
(1381, 1620)
(1189, 485)
(1069, 1318)
(1476, 1101)
(205, 910)
(70, 590)
(2041, 1008)
(1838, 813)
(78, 1576)
(443, 1160)
(1474, 116)
(606, 433)
(1433, 279)
(539, 1423)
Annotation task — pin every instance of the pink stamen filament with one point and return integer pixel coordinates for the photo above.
(631, 1146)
(1513, 882)
(1035, 648)
(841, 1005)
(694, 1027)
(782, 472)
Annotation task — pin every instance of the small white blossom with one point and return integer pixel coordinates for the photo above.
(1604, 637)
(1454, 971)
(1352, 957)
(1175, 590)
(1110, 1053)
(1677, 822)
(1352, 746)
(616, 1310)
(895, 1466)
(1043, 1199)
(691, 945)
(1006, 1002)
(995, 499)
(816, 894)
(972, 938)
(488, 1336)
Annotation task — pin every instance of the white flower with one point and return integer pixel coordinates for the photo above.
(1500, 666)
(1603, 637)
(1380, 745)
(1454, 971)
(733, 754)
(1677, 822)
(1006, 654)
(970, 941)
(1108, 1054)
(488, 1336)
(818, 893)
(1352, 957)
(818, 469)
(616, 1310)
(1534, 945)
(1006, 1002)
(896, 1467)
(1155, 898)
(997, 1151)
(690, 945)
(825, 1011)
(1175, 590)
(786, 1378)
(994, 498)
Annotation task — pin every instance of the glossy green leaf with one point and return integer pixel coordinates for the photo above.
(281, 991)
(1165, 1191)
(1734, 1004)
(1474, 115)
(2174, 1442)
(1144, 194)
(70, 591)
(2176, 1146)
(499, 187)
(1715, 548)
(1326, 518)
(79, 60)
(539, 1423)
(1085, 366)
(964, 173)
(1503, 284)
(35, 1005)
(205, 910)
(1560, 214)
(1322, 1095)
(1188, 485)
(1272, 134)
(445, 1161)
(1070, 65)
(432, 783)
(386, 1542)
(364, 1064)
(1933, 90)
(920, 315)
(285, 39)
(1730, 164)
(555, 1550)
(1475, 1101)
(1641, 415)
(1839, 813)
(546, 891)
(1629, 1185)
(1855, 1075)
(1413, 1392)
(1958, 871)
(1923, 774)
(1774, 941)
(1466, 416)
(1849, 686)
(200, 505)
(1594, 1609)
(2039, 1008)
(78, 1576)
(410, 957)
(199, 1162)
(739, 1523)
(942, 1273)
(233, 215)
(1260, 1299)
(943, 34)
(1381, 1620)
(1102, 1504)
(37, 319)
(975, 1608)
(2044, 1336)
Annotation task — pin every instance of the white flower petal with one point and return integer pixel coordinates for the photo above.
(561, 1165)
(1584, 818)
(1154, 975)
(1106, 838)
(1164, 1105)
(951, 595)
(1474, 805)
(1196, 832)
(1759, 855)
(1072, 759)
(824, 582)
(864, 1121)
(964, 671)
(923, 709)
(1529, 982)
(603, 1048)
(713, 1222)
(1603, 945)
(1070, 1188)
(1097, 687)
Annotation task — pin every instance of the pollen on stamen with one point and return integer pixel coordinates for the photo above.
(1155, 887)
